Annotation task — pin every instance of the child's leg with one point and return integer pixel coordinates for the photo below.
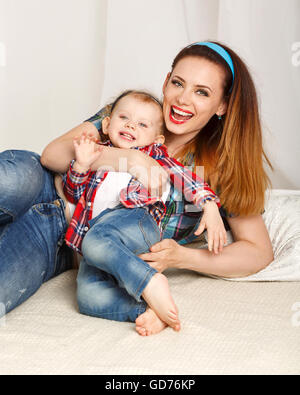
(112, 245)
(99, 295)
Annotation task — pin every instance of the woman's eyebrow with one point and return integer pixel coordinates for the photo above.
(197, 86)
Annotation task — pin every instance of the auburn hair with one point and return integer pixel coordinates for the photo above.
(231, 149)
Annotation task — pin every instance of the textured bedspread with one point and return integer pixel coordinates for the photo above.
(228, 327)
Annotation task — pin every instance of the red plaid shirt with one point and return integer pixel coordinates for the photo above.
(80, 189)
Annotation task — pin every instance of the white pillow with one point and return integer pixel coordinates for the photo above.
(282, 219)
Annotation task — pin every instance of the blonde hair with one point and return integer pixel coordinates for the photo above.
(145, 97)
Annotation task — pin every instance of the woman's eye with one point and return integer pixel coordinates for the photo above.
(143, 125)
(123, 117)
(176, 83)
(201, 92)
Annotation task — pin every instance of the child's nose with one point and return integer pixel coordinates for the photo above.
(130, 124)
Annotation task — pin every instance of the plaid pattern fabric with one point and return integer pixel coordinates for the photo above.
(176, 211)
(80, 189)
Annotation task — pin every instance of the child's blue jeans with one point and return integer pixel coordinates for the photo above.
(112, 277)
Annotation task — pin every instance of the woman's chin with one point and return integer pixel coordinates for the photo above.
(176, 128)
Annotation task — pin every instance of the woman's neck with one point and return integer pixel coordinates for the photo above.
(175, 143)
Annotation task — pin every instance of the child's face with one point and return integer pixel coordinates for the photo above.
(134, 123)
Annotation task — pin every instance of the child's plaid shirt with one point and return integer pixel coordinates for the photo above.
(80, 189)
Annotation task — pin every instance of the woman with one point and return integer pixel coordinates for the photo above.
(211, 113)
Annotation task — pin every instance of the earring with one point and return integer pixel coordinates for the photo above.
(219, 117)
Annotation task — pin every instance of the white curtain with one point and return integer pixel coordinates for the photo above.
(51, 68)
(267, 34)
(60, 60)
(144, 36)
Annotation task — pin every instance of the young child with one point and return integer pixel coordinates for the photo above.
(116, 218)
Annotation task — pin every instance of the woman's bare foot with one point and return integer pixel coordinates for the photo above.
(158, 297)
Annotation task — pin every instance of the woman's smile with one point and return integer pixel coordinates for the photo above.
(179, 116)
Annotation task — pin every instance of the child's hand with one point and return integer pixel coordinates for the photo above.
(86, 152)
(212, 221)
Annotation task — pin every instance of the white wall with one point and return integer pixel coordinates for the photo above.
(265, 32)
(58, 53)
(53, 74)
(143, 37)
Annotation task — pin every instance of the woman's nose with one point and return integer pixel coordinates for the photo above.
(184, 97)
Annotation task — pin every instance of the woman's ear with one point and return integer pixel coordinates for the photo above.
(222, 108)
(166, 82)
(105, 125)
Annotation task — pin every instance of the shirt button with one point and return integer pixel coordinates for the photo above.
(98, 180)
(89, 204)
(86, 229)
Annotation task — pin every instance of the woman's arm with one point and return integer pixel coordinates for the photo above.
(250, 252)
(58, 154)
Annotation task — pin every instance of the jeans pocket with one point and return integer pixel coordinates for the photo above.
(149, 229)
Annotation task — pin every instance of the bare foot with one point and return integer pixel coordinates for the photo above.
(158, 297)
(149, 323)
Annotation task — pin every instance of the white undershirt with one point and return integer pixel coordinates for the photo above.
(108, 194)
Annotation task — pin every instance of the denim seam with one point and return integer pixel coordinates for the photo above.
(159, 232)
(6, 211)
(141, 286)
(36, 208)
(143, 232)
(106, 314)
(3, 233)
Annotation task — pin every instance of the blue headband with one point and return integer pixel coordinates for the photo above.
(221, 51)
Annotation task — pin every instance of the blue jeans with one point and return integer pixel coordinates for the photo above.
(112, 277)
(32, 228)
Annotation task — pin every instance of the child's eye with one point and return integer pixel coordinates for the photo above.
(123, 117)
(143, 125)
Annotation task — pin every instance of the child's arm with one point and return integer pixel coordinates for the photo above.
(74, 181)
(203, 197)
(212, 221)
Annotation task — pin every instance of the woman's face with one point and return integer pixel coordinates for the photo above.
(193, 93)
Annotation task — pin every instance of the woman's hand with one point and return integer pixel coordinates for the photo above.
(164, 255)
(212, 221)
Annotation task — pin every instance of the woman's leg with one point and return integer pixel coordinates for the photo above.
(99, 295)
(32, 251)
(24, 182)
(21, 182)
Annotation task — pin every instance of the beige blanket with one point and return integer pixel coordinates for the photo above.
(227, 328)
